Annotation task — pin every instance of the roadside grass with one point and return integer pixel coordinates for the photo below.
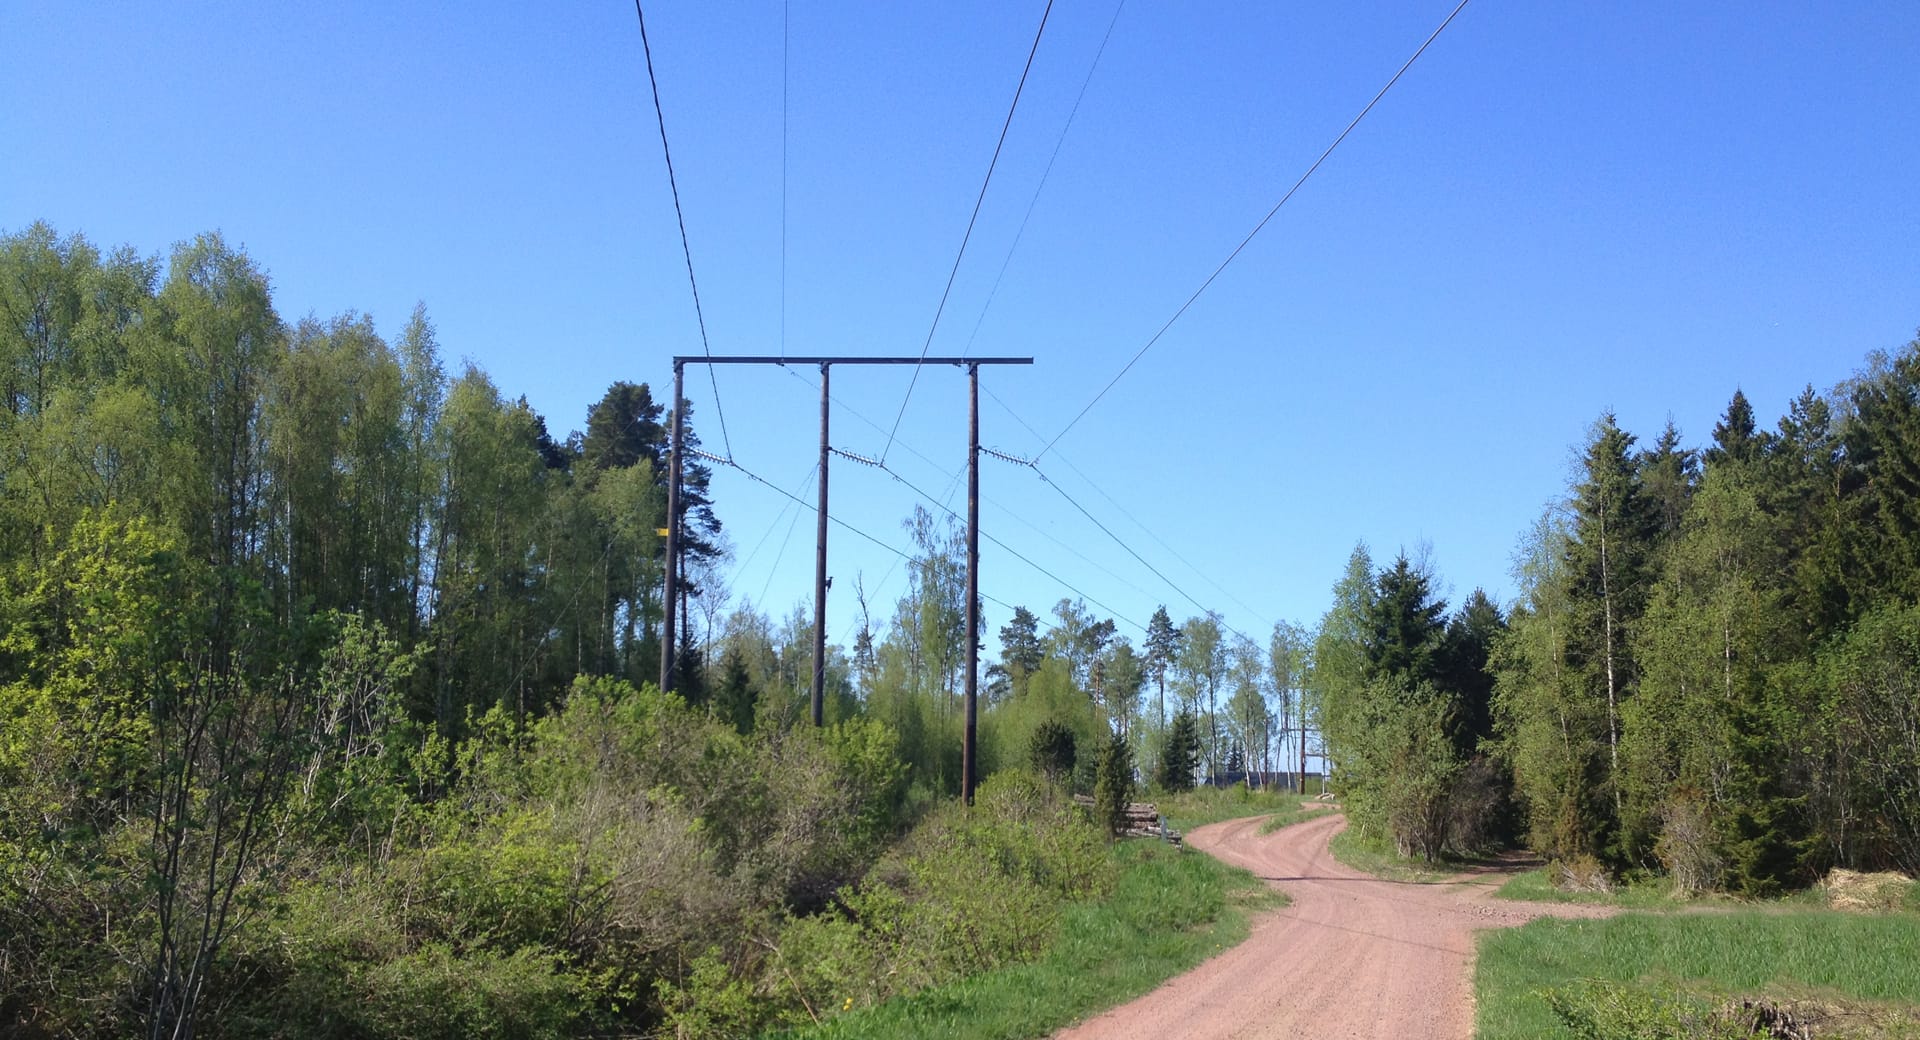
(1171, 910)
(1297, 814)
(1204, 805)
(1651, 963)
(1536, 886)
(1376, 857)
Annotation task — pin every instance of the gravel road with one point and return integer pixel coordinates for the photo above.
(1353, 956)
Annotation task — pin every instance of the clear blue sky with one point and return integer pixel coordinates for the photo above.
(1563, 208)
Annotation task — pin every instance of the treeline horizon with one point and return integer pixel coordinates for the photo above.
(327, 704)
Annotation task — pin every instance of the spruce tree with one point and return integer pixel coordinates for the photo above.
(1113, 784)
(1610, 571)
(1052, 752)
(1180, 755)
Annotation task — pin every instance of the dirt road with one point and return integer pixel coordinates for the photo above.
(1352, 957)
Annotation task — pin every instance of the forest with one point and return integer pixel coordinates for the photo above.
(1711, 674)
(327, 702)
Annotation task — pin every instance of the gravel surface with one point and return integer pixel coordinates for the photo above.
(1352, 957)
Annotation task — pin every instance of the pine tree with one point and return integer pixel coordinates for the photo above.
(735, 700)
(1163, 647)
(1670, 474)
(1020, 650)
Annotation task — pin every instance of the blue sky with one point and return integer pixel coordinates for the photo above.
(1561, 209)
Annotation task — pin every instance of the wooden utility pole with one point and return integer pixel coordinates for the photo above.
(1303, 742)
(972, 365)
(670, 599)
(820, 567)
(968, 773)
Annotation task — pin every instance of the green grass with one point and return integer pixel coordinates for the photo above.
(1536, 886)
(1170, 911)
(1289, 817)
(1379, 859)
(1774, 953)
(1204, 805)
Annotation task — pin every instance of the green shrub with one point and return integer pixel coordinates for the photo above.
(1594, 1010)
(1052, 751)
(969, 891)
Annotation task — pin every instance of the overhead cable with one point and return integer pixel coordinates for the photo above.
(1250, 235)
(964, 239)
(1015, 553)
(786, 19)
(685, 249)
(1044, 175)
(955, 479)
(1130, 552)
(1115, 503)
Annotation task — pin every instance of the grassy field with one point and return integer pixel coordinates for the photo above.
(1380, 860)
(1172, 910)
(1205, 805)
(1536, 886)
(1773, 953)
(1297, 814)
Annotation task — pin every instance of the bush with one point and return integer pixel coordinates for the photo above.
(1480, 808)
(1051, 751)
(337, 963)
(1607, 1011)
(970, 889)
(1688, 847)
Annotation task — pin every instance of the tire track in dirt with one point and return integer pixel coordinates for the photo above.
(1353, 957)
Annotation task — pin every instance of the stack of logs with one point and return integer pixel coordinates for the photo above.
(1142, 820)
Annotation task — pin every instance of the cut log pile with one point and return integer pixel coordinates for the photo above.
(1142, 820)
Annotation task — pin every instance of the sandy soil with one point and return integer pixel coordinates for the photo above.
(1352, 957)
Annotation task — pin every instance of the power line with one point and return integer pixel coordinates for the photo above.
(805, 483)
(1256, 230)
(686, 250)
(774, 570)
(956, 477)
(1122, 544)
(1015, 553)
(1048, 172)
(953, 486)
(1115, 503)
(1062, 492)
(785, 34)
(964, 239)
(784, 493)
